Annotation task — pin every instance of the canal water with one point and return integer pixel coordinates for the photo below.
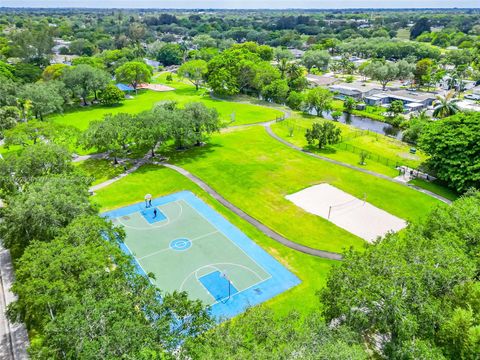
(364, 123)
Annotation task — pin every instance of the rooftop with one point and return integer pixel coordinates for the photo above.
(321, 80)
(413, 96)
(358, 86)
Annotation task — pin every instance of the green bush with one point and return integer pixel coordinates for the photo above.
(111, 95)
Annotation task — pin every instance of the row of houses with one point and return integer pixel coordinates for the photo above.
(371, 93)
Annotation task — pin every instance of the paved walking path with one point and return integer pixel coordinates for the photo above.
(134, 168)
(353, 167)
(13, 337)
(263, 228)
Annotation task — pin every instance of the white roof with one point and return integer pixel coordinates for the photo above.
(414, 105)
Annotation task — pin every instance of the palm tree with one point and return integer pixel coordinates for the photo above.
(445, 105)
(283, 65)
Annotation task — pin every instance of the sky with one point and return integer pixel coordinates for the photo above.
(242, 4)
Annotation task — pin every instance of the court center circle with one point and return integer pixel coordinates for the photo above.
(180, 244)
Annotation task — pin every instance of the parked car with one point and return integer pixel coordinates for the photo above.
(472, 97)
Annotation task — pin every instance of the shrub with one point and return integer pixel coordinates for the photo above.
(111, 95)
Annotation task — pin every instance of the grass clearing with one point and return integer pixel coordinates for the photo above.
(255, 172)
(161, 181)
(241, 113)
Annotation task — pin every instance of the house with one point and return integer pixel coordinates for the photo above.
(153, 63)
(321, 80)
(62, 59)
(357, 90)
(297, 53)
(412, 100)
(59, 44)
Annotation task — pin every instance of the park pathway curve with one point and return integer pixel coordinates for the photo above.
(287, 114)
(260, 226)
(270, 132)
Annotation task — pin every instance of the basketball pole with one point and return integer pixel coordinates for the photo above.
(329, 211)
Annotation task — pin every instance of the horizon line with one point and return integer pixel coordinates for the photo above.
(236, 8)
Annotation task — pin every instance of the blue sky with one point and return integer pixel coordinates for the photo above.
(236, 4)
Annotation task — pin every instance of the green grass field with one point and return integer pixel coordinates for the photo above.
(256, 172)
(100, 170)
(242, 113)
(403, 33)
(384, 152)
(161, 181)
(436, 188)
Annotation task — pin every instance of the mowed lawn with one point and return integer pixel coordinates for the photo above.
(231, 113)
(383, 152)
(100, 170)
(256, 172)
(161, 181)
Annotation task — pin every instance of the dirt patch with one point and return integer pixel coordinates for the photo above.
(156, 87)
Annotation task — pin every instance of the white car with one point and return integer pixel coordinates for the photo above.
(472, 97)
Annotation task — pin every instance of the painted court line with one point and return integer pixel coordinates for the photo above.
(239, 292)
(215, 268)
(228, 238)
(162, 224)
(169, 248)
(138, 262)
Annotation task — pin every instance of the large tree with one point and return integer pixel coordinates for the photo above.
(9, 116)
(170, 54)
(44, 97)
(383, 72)
(277, 91)
(318, 99)
(323, 133)
(83, 80)
(421, 25)
(134, 73)
(152, 128)
(195, 71)
(33, 45)
(54, 72)
(453, 145)
(39, 160)
(28, 133)
(316, 58)
(45, 207)
(204, 120)
(111, 95)
(261, 332)
(112, 134)
(403, 292)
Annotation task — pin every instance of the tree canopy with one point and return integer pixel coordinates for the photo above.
(134, 73)
(453, 145)
(414, 295)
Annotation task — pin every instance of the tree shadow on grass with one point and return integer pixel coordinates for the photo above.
(314, 149)
(189, 155)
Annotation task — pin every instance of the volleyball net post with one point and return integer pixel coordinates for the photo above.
(345, 205)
